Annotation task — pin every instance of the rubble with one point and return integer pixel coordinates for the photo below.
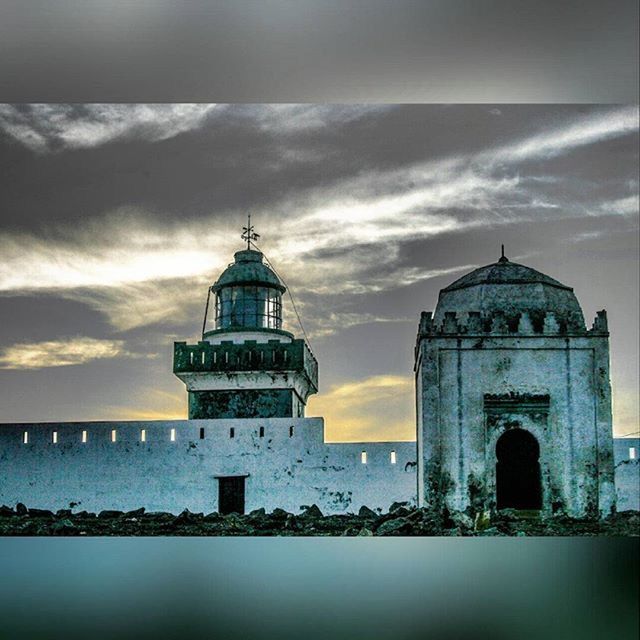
(402, 521)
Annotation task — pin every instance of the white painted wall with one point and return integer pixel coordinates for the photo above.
(627, 473)
(575, 446)
(161, 475)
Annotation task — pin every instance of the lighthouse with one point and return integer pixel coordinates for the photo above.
(246, 365)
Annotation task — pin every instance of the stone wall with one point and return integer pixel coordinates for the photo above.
(244, 403)
(285, 471)
(289, 466)
(627, 473)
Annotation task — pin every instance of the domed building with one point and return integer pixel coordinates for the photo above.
(513, 397)
(511, 289)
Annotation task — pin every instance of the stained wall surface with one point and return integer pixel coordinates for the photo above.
(458, 372)
(288, 467)
(163, 475)
(627, 473)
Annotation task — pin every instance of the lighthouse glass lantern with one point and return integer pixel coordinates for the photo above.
(251, 306)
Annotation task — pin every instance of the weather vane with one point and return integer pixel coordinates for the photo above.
(248, 234)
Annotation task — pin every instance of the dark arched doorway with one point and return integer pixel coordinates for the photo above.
(518, 471)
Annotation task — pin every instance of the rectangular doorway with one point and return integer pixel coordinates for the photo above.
(231, 494)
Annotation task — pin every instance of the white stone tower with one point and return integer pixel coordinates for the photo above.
(513, 397)
(246, 365)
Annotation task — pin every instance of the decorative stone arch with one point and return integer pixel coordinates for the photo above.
(516, 411)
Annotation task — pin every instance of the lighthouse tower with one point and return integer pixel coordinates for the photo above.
(246, 365)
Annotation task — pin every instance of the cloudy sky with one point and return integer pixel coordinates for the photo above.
(115, 218)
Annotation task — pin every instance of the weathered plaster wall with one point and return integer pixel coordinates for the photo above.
(283, 471)
(246, 403)
(627, 473)
(456, 371)
(248, 379)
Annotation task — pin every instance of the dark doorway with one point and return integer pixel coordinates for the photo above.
(518, 471)
(231, 495)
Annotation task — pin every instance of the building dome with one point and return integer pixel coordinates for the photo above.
(512, 289)
(248, 269)
(248, 295)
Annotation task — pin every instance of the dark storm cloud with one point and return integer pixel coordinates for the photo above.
(155, 206)
(336, 50)
(232, 159)
(113, 226)
(246, 155)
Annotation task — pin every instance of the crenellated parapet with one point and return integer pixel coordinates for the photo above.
(227, 357)
(498, 323)
(600, 325)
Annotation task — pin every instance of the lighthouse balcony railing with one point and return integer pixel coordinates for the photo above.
(249, 356)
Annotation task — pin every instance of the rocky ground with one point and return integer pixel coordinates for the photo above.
(400, 521)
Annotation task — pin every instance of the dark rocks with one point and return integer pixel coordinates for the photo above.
(403, 521)
(397, 506)
(107, 513)
(63, 527)
(311, 512)
(510, 515)
(394, 527)
(427, 522)
(367, 513)
(187, 517)
(160, 515)
(292, 523)
(493, 531)
(462, 521)
(41, 513)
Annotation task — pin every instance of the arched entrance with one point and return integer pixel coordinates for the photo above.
(518, 471)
